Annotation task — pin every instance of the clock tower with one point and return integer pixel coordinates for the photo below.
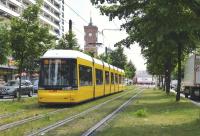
(91, 37)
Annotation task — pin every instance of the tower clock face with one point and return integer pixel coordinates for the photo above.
(90, 34)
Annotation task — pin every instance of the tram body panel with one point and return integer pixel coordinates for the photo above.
(86, 88)
(54, 96)
(120, 82)
(107, 80)
(68, 76)
(99, 81)
(112, 88)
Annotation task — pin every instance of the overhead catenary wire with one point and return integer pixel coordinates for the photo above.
(76, 12)
(82, 18)
(74, 27)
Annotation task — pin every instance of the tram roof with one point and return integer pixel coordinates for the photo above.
(66, 54)
(98, 61)
(59, 53)
(106, 64)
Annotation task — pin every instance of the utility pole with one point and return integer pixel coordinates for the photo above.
(102, 32)
(70, 25)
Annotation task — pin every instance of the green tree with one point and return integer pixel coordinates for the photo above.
(105, 57)
(4, 42)
(68, 41)
(153, 22)
(130, 70)
(28, 39)
(118, 58)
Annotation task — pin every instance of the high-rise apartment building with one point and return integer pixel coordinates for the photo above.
(52, 12)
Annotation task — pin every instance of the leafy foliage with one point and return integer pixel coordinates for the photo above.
(164, 29)
(28, 39)
(130, 70)
(68, 41)
(116, 57)
(4, 42)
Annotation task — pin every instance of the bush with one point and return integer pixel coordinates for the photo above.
(141, 113)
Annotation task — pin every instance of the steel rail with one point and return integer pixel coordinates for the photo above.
(110, 116)
(44, 130)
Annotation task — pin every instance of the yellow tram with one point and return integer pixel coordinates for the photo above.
(69, 76)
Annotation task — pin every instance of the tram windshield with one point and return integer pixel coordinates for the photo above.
(58, 74)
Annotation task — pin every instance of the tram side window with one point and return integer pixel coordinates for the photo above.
(107, 77)
(85, 75)
(120, 79)
(99, 77)
(116, 78)
(112, 78)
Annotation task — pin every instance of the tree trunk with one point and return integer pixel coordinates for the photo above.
(168, 74)
(20, 80)
(162, 84)
(179, 72)
(159, 81)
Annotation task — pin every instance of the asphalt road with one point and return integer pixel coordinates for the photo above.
(194, 102)
(10, 98)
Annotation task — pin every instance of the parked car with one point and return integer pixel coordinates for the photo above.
(174, 84)
(35, 86)
(11, 88)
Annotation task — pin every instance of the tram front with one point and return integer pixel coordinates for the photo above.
(58, 78)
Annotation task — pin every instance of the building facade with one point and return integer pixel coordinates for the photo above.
(52, 13)
(91, 38)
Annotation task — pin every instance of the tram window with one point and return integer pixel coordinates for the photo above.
(107, 77)
(120, 79)
(116, 78)
(58, 73)
(85, 75)
(99, 77)
(112, 78)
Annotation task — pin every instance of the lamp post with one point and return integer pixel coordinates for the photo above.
(102, 32)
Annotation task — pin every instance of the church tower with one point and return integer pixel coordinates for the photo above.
(91, 38)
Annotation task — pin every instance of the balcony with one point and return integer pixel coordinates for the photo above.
(10, 10)
(17, 3)
(50, 14)
(48, 20)
(51, 3)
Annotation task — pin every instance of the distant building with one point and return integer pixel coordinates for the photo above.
(143, 77)
(91, 38)
(51, 15)
(7, 71)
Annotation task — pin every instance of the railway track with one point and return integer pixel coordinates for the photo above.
(110, 116)
(20, 122)
(44, 130)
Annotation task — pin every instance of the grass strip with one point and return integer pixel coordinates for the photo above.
(155, 114)
(34, 125)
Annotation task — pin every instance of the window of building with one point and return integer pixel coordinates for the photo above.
(3, 2)
(85, 75)
(99, 77)
(107, 77)
(112, 78)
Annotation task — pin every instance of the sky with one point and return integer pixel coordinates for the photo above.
(79, 11)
